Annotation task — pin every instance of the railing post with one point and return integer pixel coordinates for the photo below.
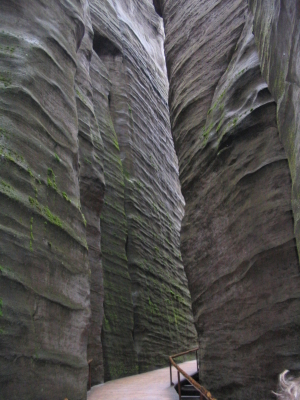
(90, 376)
(203, 393)
(179, 387)
(197, 360)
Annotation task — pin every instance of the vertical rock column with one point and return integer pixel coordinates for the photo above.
(143, 207)
(120, 357)
(119, 354)
(44, 272)
(238, 243)
(91, 179)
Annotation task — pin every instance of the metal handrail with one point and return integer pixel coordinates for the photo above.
(90, 373)
(204, 393)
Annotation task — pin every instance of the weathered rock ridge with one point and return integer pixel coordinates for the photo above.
(84, 125)
(238, 242)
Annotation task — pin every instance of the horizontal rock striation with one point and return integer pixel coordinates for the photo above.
(238, 243)
(44, 273)
(147, 303)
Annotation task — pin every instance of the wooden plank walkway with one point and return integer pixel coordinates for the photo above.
(154, 385)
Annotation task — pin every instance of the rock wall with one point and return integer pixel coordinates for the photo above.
(238, 241)
(277, 28)
(44, 280)
(83, 100)
(147, 303)
(120, 357)
(91, 180)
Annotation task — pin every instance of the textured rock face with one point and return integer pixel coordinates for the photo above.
(277, 28)
(44, 280)
(120, 358)
(91, 179)
(238, 242)
(147, 312)
(70, 74)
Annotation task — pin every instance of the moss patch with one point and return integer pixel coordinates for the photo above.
(51, 179)
(54, 219)
(5, 79)
(65, 196)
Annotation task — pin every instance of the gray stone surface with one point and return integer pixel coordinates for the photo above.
(83, 100)
(147, 303)
(91, 181)
(57, 99)
(120, 358)
(277, 32)
(44, 274)
(238, 243)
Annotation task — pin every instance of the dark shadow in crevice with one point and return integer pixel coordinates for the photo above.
(104, 46)
(157, 7)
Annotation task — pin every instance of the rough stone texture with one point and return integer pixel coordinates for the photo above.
(44, 280)
(91, 179)
(277, 33)
(146, 297)
(238, 243)
(53, 111)
(120, 357)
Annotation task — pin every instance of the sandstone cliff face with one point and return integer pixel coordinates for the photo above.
(146, 306)
(277, 30)
(238, 243)
(91, 180)
(83, 100)
(44, 282)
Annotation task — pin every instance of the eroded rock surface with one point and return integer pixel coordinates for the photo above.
(120, 358)
(44, 278)
(277, 32)
(238, 243)
(147, 312)
(83, 100)
(91, 181)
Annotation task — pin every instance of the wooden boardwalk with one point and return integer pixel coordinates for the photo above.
(154, 385)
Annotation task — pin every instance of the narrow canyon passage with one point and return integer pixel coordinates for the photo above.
(149, 194)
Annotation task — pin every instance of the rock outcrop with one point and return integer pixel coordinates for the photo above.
(85, 129)
(91, 181)
(44, 278)
(83, 100)
(147, 303)
(238, 242)
(277, 29)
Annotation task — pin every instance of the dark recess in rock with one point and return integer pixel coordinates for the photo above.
(104, 46)
(157, 7)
